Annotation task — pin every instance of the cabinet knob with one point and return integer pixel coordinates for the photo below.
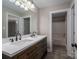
(74, 45)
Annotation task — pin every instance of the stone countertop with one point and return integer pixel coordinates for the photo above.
(12, 48)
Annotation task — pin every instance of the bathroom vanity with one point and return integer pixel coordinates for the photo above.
(27, 48)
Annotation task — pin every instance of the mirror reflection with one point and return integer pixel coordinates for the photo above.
(26, 25)
(12, 25)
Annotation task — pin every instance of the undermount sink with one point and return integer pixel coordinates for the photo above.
(21, 42)
(18, 43)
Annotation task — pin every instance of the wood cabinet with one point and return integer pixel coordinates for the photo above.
(36, 51)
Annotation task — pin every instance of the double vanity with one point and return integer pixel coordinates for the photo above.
(26, 48)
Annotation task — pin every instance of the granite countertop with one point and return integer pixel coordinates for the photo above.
(12, 48)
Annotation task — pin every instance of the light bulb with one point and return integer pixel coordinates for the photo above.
(26, 8)
(29, 4)
(32, 6)
(17, 3)
(22, 6)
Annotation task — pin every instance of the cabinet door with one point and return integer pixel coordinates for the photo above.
(23, 56)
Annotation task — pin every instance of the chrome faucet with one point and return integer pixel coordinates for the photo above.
(11, 40)
(18, 36)
(33, 34)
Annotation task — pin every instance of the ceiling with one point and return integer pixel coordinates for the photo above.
(47, 3)
(38, 3)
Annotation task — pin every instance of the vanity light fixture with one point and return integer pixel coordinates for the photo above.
(32, 6)
(26, 4)
(17, 3)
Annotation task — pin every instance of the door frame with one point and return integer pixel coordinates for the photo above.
(74, 25)
(74, 3)
(50, 25)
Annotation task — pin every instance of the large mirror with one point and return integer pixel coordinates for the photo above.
(15, 18)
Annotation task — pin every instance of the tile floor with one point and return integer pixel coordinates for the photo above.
(59, 52)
